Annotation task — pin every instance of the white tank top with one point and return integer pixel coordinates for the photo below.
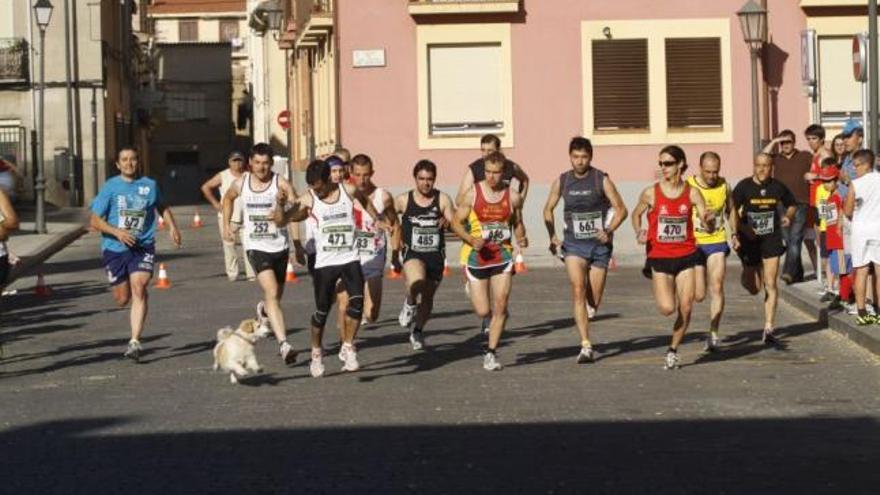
(865, 221)
(370, 241)
(226, 181)
(334, 230)
(311, 225)
(260, 232)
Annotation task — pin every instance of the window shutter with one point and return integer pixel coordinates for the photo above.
(693, 82)
(465, 82)
(188, 30)
(620, 84)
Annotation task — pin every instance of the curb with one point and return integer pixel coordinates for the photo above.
(866, 337)
(55, 244)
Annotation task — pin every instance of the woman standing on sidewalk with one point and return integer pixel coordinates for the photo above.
(8, 224)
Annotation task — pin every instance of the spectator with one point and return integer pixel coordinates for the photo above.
(853, 136)
(790, 166)
(863, 206)
(9, 178)
(8, 224)
(838, 149)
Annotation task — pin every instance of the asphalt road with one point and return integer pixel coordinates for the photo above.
(78, 419)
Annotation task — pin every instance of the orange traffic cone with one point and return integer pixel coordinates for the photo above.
(42, 290)
(291, 276)
(163, 282)
(445, 268)
(197, 220)
(393, 273)
(520, 266)
(161, 223)
(612, 265)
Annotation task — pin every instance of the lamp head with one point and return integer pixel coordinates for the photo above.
(43, 13)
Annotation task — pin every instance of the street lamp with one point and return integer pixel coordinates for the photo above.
(43, 14)
(753, 21)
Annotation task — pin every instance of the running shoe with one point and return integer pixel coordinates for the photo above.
(672, 361)
(591, 312)
(851, 309)
(351, 359)
(586, 355)
(342, 352)
(490, 363)
(826, 297)
(822, 290)
(485, 324)
(870, 309)
(263, 318)
(316, 367)
(133, 351)
(406, 314)
(713, 342)
(417, 339)
(768, 338)
(866, 320)
(836, 304)
(287, 353)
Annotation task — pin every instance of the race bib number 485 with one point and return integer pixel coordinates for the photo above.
(671, 228)
(425, 240)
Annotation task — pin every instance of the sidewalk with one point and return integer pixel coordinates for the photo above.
(805, 297)
(64, 225)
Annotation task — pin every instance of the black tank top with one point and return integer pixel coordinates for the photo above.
(421, 226)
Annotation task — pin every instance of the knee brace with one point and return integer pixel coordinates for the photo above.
(319, 319)
(355, 307)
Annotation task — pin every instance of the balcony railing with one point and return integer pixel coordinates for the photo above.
(419, 7)
(13, 60)
(308, 9)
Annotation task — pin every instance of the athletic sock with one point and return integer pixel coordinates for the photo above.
(586, 343)
(672, 350)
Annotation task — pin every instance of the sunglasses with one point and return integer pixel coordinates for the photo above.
(669, 163)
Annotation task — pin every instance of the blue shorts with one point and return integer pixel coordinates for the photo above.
(706, 250)
(596, 253)
(839, 267)
(121, 265)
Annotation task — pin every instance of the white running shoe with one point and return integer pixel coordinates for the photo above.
(406, 314)
(263, 318)
(870, 309)
(342, 352)
(416, 339)
(316, 368)
(287, 353)
(713, 342)
(133, 351)
(490, 362)
(351, 359)
(591, 312)
(586, 355)
(672, 361)
(851, 309)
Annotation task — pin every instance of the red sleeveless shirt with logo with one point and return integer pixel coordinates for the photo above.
(670, 225)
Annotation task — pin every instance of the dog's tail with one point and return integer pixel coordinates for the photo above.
(224, 333)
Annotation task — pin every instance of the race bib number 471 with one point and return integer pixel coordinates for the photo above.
(338, 238)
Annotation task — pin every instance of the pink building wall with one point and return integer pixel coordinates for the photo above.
(379, 113)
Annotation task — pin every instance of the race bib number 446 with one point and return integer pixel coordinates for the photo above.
(496, 232)
(762, 222)
(671, 228)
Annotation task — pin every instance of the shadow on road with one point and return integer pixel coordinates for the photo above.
(808, 455)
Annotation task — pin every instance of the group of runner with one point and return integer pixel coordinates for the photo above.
(349, 223)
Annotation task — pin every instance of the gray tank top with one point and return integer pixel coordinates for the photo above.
(585, 204)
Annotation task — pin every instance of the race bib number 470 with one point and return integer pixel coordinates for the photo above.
(672, 228)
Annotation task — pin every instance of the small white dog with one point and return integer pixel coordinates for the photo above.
(234, 351)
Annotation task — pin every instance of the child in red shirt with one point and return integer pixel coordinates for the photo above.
(835, 233)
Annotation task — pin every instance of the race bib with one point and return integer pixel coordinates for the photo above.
(671, 228)
(425, 240)
(586, 225)
(132, 220)
(262, 227)
(365, 242)
(762, 222)
(496, 232)
(337, 237)
(828, 212)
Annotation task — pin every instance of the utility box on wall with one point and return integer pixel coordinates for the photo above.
(62, 166)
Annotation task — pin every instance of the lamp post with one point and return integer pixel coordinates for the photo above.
(43, 13)
(753, 21)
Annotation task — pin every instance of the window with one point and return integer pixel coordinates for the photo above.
(464, 82)
(229, 30)
(181, 107)
(840, 95)
(188, 30)
(620, 84)
(693, 82)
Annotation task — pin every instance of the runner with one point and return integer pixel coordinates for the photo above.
(712, 246)
(124, 211)
(370, 241)
(8, 225)
(222, 181)
(672, 251)
(757, 200)
(333, 206)
(425, 213)
(863, 206)
(587, 193)
(267, 246)
(476, 171)
(489, 210)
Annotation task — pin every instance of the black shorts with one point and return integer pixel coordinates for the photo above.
(434, 263)
(310, 263)
(753, 252)
(324, 282)
(4, 269)
(674, 266)
(486, 273)
(277, 262)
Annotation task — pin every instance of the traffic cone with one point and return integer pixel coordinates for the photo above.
(445, 268)
(42, 290)
(197, 220)
(161, 223)
(612, 265)
(520, 265)
(393, 273)
(163, 282)
(291, 276)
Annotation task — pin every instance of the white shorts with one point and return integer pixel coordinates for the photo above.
(865, 251)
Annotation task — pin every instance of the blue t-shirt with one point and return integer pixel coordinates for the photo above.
(130, 206)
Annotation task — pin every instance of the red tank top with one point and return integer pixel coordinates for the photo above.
(670, 225)
(491, 221)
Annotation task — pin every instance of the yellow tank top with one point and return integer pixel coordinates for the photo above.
(821, 198)
(716, 199)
